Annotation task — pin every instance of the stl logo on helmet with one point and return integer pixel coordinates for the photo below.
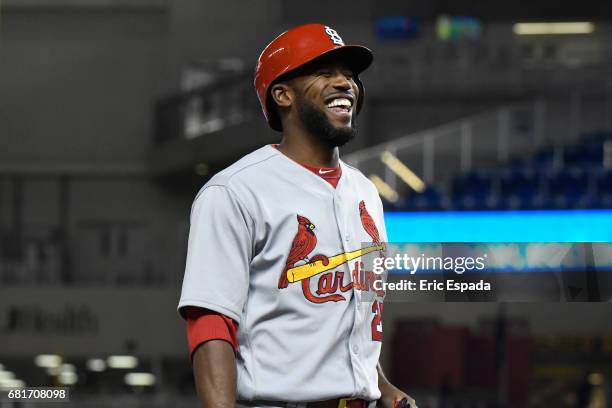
(335, 37)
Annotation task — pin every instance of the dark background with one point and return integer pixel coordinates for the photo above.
(114, 113)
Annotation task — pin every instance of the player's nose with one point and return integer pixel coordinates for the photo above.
(341, 82)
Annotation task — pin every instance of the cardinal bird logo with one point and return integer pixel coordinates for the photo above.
(368, 224)
(304, 242)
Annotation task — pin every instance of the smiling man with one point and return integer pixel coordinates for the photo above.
(279, 311)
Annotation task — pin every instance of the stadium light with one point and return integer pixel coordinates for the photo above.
(67, 368)
(96, 365)
(125, 362)
(402, 171)
(595, 379)
(385, 190)
(48, 360)
(578, 27)
(67, 378)
(140, 379)
(52, 371)
(12, 383)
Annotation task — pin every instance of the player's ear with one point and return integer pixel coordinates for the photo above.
(282, 95)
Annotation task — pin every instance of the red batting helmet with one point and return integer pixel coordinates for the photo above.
(296, 47)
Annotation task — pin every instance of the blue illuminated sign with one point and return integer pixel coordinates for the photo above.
(500, 226)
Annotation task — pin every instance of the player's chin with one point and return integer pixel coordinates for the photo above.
(341, 135)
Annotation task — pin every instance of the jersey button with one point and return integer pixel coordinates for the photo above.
(355, 349)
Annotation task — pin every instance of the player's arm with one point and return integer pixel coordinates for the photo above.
(216, 275)
(209, 335)
(391, 396)
(214, 368)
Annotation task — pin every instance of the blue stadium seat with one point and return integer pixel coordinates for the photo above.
(541, 201)
(557, 202)
(493, 202)
(400, 205)
(572, 183)
(533, 182)
(598, 136)
(523, 183)
(475, 183)
(584, 154)
(430, 199)
(469, 202)
(598, 201)
(604, 181)
(516, 202)
(544, 159)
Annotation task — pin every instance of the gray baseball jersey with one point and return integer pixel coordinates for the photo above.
(278, 249)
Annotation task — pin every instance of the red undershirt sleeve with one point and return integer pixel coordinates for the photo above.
(204, 325)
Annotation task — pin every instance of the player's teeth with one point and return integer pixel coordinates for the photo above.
(344, 102)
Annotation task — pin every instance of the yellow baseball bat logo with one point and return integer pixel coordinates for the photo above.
(309, 270)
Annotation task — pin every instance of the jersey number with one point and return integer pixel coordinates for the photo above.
(377, 309)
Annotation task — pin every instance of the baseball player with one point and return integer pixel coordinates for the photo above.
(280, 311)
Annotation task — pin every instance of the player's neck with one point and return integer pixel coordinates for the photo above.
(307, 151)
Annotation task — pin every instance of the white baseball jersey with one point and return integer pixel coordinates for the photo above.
(278, 249)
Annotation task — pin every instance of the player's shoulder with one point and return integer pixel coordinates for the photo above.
(245, 167)
(353, 171)
(359, 177)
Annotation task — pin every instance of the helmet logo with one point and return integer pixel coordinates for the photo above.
(334, 36)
